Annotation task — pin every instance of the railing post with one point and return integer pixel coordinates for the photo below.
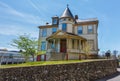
(67, 56)
(39, 58)
(79, 57)
(45, 57)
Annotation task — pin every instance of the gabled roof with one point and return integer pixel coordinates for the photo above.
(67, 13)
(64, 35)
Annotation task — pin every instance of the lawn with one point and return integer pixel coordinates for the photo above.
(41, 63)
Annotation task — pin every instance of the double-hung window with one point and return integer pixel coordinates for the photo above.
(90, 29)
(54, 30)
(44, 32)
(64, 27)
(43, 46)
(80, 30)
(54, 21)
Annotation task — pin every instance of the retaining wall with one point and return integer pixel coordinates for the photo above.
(87, 71)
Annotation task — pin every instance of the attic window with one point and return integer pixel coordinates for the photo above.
(54, 21)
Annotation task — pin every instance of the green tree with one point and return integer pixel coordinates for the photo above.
(87, 49)
(27, 44)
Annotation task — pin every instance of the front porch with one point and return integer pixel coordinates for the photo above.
(63, 45)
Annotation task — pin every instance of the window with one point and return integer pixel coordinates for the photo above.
(90, 29)
(91, 44)
(44, 32)
(52, 45)
(80, 30)
(64, 27)
(54, 30)
(43, 45)
(54, 21)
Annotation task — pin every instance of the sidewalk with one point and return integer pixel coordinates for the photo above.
(114, 77)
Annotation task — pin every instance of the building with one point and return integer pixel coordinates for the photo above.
(10, 57)
(69, 35)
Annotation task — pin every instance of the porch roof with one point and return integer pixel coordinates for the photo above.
(64, 35)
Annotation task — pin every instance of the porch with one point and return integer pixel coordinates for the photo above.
(63, 45)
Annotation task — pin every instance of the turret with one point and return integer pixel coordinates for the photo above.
(66, 21)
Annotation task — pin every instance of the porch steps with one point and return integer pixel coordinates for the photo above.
(57, 56)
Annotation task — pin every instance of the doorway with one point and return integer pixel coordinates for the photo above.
(63, 45)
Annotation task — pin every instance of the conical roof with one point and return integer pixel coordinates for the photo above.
(67, 13)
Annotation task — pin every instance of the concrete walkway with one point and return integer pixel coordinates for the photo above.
(114, 77)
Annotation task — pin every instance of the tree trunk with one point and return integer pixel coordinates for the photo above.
(33, 56)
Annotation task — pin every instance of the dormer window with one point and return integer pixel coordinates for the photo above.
(54, 21)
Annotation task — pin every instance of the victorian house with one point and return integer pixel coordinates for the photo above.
(68, 35)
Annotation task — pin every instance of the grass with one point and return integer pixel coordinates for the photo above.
(41, 63)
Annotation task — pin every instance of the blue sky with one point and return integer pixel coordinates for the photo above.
(24, 16)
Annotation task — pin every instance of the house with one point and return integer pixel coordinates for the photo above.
(69, 35)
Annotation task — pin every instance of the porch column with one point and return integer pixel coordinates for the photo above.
(58, 45)
(47, 43)
(84, 44)
(67, 47)
(79, 44)
(54, 43)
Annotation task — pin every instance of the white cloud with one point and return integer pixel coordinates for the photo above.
(18, 30)
(6, 8)
(28, 18)
(18, 22)
(34, 5)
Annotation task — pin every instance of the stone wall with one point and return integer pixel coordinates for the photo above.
(87, 71)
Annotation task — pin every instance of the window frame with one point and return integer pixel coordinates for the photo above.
(89, 32)
(44, 30)
(54, 21)
(79, 30)
(43, 48)
(65, 27)
(53, 30)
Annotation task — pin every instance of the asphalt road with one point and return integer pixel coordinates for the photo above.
(114, 77)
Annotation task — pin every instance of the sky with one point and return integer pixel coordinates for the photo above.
(24, 16)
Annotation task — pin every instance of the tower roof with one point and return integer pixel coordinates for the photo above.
(67, 13)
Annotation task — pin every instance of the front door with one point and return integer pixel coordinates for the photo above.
(63, 45)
